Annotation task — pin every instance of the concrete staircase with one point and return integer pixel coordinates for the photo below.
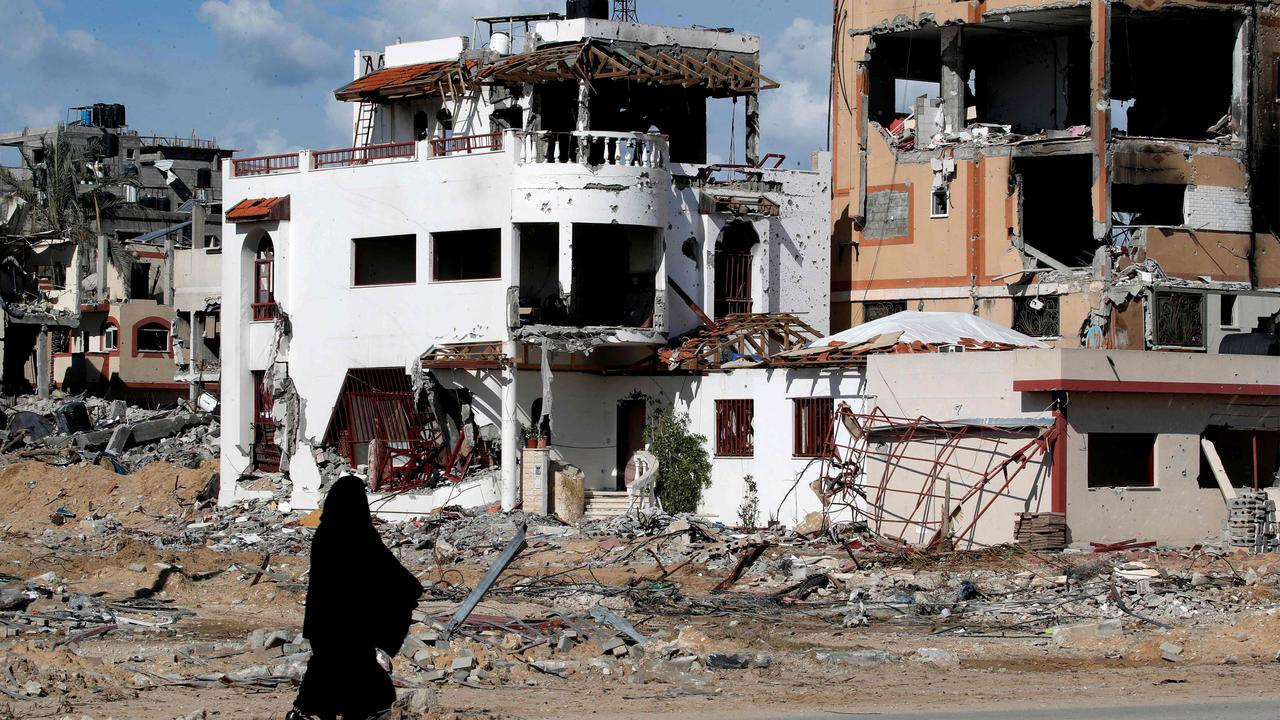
(604, 504)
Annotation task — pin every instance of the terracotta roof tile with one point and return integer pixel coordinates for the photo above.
(256, 209)
(385, 78)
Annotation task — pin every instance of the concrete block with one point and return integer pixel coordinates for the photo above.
(119, 439)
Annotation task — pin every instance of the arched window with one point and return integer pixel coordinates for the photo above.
(153, 337)
(264, 282)
(733, 268)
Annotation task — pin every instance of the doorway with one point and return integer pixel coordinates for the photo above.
(733, 269)
(631, 417)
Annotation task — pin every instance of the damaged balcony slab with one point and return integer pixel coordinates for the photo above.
(570, 339)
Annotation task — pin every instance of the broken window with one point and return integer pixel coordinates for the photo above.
(1037, 317)
(60, 342)
(466, 255)
(1030, 71)
(1138, 205)
(1176, 68)
(1177, 320)
(1122, 460)
(541, 302)
(735, 436)
(140, 281)
(1236, 449)
(110, 338)
(812, 427)
(1227, 316)
(904, 67)
(264, 288)
(1056, 207)
(614, 275)
(733, 268)
(939, 203)
(152, 337)
(386, 260)
(882, 308)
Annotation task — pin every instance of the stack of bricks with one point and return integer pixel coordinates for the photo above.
(1041, 531)
(1251, 521)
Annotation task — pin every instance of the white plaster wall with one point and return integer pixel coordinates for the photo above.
(337, 326)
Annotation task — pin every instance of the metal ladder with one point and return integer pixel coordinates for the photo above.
(364, 125)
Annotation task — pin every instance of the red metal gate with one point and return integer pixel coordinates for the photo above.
(266, 454)
(733, 283)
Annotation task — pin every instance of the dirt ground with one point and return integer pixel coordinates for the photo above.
(221, 598)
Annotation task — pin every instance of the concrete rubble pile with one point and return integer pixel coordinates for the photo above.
(541, 623)
(69, 430)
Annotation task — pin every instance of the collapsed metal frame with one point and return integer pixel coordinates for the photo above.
(846, 482)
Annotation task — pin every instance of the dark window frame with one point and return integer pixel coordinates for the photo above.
(471, 236)
(1108, 449)
(412, 262)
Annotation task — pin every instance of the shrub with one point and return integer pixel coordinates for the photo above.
(684, 468)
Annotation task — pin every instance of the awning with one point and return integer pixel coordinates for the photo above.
(419, 79)
(260, 209)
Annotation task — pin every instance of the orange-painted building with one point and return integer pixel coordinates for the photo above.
(1092, 173)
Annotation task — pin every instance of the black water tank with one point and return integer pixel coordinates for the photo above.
(587, 9)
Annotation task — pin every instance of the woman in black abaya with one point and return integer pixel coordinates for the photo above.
(360, 598)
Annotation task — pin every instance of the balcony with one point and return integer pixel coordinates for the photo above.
(368, 155)
(593, 147)
(588, 148)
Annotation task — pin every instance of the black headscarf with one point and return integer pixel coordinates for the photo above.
(359, 594)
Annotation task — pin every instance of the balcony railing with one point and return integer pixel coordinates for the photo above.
(265, 165)
(263, 312)
(346, 157)
(466, 144)
(594, 147)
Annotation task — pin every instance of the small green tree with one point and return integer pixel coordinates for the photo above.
(684, 468)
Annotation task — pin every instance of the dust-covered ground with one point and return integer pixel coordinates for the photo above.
(125, 597)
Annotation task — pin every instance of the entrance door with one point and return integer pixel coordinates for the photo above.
(630, 439)
(733, 283)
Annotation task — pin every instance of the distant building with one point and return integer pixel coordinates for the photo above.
(1092, 173)
(130, 297)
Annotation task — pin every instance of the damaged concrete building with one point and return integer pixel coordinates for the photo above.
(1093, 173)
(113, 250)
(524, 217)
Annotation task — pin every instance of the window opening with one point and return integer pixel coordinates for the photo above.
(467, 255)
(388, 260)
(152, 338)
(813, 421)
(1122, 460)
(264, 289)
(733, 268)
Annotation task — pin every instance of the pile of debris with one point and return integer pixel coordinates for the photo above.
(69, 430)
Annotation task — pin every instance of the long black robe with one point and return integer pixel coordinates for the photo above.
(359, 598)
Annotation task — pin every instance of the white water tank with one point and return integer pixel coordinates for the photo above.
(500, 43)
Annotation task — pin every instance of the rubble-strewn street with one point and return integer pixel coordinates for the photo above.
(128, 596)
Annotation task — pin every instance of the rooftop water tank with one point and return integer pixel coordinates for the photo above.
(598, 9)
(500, 43)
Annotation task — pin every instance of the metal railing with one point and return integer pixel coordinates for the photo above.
(264, 165)
(594, 147)
(346, 157)
(466, 144)
(263, 312)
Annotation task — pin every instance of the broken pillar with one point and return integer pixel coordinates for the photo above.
(953, 80)
(1100, 115)
(753, 129)
(44, 361)
(584, 118)
(510, 432)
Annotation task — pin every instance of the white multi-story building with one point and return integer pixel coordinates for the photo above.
(506, 222)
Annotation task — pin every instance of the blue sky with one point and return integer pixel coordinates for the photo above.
(259, 75)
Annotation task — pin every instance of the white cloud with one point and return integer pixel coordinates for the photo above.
(277, 50)
(412, 20)
(794, 117)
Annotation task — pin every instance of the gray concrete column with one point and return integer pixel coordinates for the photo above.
(43, 362)
(511, 444)
(953, 78)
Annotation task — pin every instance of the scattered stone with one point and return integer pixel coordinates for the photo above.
(856, 657)
(936, 656)
(1171, 652)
